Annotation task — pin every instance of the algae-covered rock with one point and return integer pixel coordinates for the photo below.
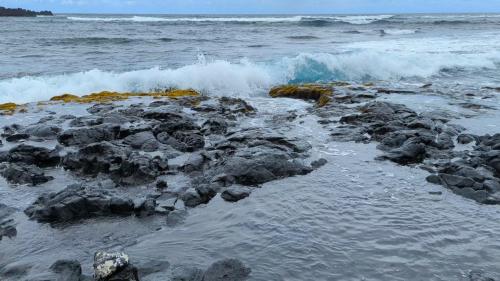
(8, 108)
(319, 93)
(108, 96)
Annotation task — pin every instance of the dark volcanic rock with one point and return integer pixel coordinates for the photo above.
(227, 270)
(183, 141)
(78, 202)
(31, 155)
(145, 141)
(17, 137)
(42, 131)
(26, 174)
(88, 135)
(262, 168)
(122, 165)
(234, 194)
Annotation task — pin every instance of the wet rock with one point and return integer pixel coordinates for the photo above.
(227, 270)
(114, 267)
(43, 132)
(319, 163)
(31, 155)
(457, 181)
(320, 93)
(234, 194)
(17, 137)
(139, 169)
(410, 152)
(144, 141)
(183, 141)
(232, 107)
(88, 135)
(68, 270)
(186, 273)
(11, 130)
(479, 276)
(214, 126)
(78, 202)
(7, 225)
(263, 168)
(145, 206)
(122, 166)
(466, 138)
(196, 196)
(26, 174)
(96, 158)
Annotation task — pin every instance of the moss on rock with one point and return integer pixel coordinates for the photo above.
(8, 108)
(107, 96)
(317, 92)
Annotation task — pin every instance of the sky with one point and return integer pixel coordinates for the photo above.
(258, 6)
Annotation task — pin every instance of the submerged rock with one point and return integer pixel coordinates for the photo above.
(7, 225)
(227, 270)
(68, 270)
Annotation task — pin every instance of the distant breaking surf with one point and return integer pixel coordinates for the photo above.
(334, 19)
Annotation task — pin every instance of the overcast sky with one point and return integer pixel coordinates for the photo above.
(258, 6)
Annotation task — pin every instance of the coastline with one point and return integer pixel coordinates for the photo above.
(119, 143)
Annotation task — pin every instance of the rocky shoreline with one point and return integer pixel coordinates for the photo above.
(124, 152)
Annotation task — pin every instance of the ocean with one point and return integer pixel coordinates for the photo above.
(355, 218)
(240, 55)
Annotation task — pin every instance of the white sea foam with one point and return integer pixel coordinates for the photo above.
(189, 19)
(347, 19)
(245, 78)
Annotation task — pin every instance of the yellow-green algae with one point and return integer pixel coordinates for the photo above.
(107, 96)
(320, 93)
(8, 108)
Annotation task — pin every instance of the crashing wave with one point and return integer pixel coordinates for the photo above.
(247, 78)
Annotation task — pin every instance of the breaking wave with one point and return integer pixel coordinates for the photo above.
(312, 20)
(245, 78)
